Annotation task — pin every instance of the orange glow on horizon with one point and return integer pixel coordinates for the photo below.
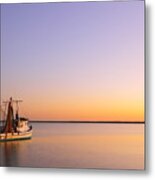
(85, 108)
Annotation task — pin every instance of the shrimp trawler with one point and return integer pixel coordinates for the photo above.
(14, 128)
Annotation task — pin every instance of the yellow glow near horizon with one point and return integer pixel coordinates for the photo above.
(108, 108)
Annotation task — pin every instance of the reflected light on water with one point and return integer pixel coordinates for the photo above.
(107, 146)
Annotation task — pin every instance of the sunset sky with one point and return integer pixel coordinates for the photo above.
(74, 61)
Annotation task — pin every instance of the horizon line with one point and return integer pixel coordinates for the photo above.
(72, 121)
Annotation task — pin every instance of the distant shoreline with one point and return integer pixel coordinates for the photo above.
(105, 122)
(119, 122)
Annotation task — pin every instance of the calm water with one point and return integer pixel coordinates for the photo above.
(78, 145)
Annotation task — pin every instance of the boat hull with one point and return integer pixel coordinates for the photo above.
(15, 136)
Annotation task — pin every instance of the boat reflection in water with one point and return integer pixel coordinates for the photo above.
(10, 153)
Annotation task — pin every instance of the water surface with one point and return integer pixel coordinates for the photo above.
(78, 145)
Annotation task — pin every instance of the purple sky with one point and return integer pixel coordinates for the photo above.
(56, 52)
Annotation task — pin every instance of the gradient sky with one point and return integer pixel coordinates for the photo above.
(74, 61)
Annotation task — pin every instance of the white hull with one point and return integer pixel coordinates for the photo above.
(16, 136)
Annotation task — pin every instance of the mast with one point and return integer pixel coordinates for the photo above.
(9, 120)
(9, 126)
